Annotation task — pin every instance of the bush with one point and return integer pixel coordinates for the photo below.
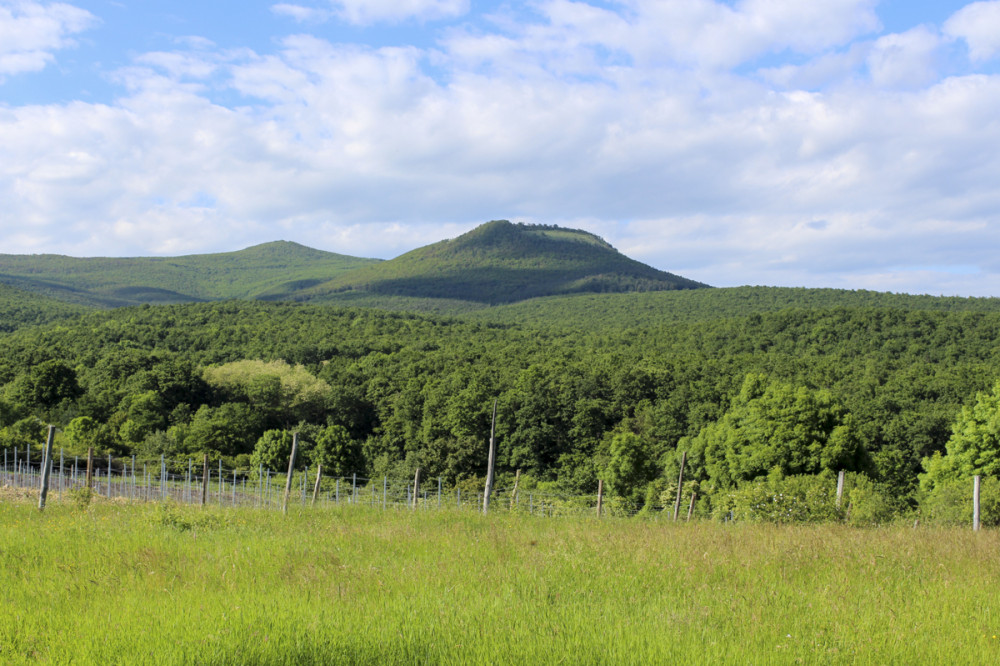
(870, 503)
(950, 503)
(776, 499)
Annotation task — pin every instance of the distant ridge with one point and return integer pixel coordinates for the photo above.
(501, 262)
(269, 270)
(495, 263)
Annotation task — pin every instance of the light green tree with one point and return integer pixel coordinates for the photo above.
(628, 468)
(974, 446)
(775, 426)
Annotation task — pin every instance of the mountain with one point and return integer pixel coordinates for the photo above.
(271, 270)
(501, 262)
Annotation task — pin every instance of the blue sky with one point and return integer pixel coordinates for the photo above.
(843, 143)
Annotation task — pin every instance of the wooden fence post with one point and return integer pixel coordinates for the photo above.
(90, 467)
(204, 481)
(975, 503)
(319, 472)
(680, 486)
(46, 464)
(600, 497)
(416, 488)
(513, 494)
(491, 460)
(291, 468)
(840, 487)
(694, 496)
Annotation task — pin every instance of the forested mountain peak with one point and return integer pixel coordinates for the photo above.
(502, 235)
(282, 249)
(502, 262)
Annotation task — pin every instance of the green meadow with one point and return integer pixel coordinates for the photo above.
(117, 583)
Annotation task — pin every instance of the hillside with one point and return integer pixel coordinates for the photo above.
(501, 262)
(271, 270)
(19, 309)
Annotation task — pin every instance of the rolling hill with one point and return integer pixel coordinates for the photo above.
(501, 262)
(271, 270)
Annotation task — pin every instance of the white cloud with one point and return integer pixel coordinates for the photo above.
(301, 13)
(368, 12)
(710, 33)
(905, 59)
(31, 31)
(979, 25)
(834, 68)
(572, 117)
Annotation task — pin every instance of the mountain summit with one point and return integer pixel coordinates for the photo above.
(501, 262)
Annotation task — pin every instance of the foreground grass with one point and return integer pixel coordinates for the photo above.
(177, 585)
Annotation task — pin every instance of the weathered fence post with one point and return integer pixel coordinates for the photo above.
(46, 464)
(416, 487)
(600, 497)
(291, 468)
(680, 486)
(319, 474)
(491, 461)
(840, 487)
(513, 494)
(694, 496)
(204, 481)
(975, 503)
(90, 467)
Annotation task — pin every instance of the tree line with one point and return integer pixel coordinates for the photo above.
(902, 397)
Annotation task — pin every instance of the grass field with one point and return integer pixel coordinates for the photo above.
(115, 583)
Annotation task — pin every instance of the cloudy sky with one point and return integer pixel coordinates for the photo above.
(838, 143)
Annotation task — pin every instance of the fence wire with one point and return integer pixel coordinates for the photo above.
(130, 480)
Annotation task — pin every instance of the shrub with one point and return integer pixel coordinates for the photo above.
(950, 503)
(776, 499)
(870, 503)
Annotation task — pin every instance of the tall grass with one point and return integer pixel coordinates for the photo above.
(168, 584)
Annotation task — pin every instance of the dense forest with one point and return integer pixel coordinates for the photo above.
(759, 393)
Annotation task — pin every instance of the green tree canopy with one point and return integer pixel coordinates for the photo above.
(974, 446)
(288, 392)
(337, 452)
(272, 450)
(629, 467)
(228, 429)
(776, 425)
(45, 385)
